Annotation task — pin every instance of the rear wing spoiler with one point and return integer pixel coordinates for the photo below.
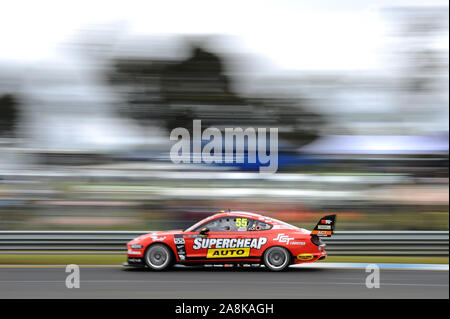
(325, 226)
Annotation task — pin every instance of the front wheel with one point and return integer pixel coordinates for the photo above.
(158, 257)
(276, 258)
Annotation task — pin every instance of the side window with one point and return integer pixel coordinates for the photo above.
(235, 224)
(219, 224)
(258, 225)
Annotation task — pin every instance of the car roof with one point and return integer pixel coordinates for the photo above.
(278, 224)
(247, 215)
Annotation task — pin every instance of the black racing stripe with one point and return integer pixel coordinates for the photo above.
(222, 259)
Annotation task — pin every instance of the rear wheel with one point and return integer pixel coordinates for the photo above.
(158, 257)
(277, 258)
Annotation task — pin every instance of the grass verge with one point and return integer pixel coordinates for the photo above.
(63, 259)
(51, 259)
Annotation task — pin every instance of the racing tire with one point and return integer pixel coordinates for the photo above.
(276, 258)
(158, 257)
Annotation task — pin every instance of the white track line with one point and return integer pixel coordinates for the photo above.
(380, 265)
(444, 267)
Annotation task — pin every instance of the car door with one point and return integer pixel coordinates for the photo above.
(216, 244)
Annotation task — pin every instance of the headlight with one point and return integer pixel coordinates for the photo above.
(136, 246)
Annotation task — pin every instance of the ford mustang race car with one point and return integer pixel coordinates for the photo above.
(232, 238)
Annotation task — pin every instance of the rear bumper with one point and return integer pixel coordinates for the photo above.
(309, 258)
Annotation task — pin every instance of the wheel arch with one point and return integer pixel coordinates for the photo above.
(291, 256)
(160, 243)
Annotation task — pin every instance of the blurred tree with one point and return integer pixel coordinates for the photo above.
(421, 65)
(423, 60)
(8, 115)
(198, 87)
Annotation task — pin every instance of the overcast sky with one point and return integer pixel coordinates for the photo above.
(293, 35)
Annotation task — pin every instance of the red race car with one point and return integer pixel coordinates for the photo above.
(232, 238)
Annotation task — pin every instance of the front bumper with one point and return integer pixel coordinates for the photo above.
(135, 262)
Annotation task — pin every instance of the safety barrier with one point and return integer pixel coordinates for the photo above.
(407, 243)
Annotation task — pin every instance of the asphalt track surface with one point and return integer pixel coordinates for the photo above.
(216, 283)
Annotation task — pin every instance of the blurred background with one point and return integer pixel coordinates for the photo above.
(89, 93)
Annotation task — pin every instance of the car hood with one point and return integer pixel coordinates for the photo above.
(158, 234)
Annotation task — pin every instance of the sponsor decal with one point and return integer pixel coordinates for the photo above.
(155, 238)
(131, 252)
(326, 221)
(305, 257)
(178, 241)
(323, 227)
(228, 253)
(282, 238)
(321, 233)
(302, 243)
(219, 243)
(135, 260)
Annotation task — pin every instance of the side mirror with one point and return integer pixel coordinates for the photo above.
(204, 231)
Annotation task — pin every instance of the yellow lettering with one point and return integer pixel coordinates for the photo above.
(227, 253)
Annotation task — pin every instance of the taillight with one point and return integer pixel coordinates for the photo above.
(316, 241)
